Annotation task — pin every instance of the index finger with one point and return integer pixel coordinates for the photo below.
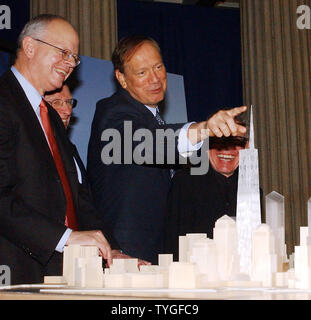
(109, 258)
(107, 253)
(104, 247)
(236, 111)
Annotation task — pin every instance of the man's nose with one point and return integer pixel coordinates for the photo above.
(154, 77)
(67, 109)
(70, 63)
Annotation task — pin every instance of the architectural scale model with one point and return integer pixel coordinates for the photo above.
(248, 213)
(243, 252)
(275, 218)
(203, 263)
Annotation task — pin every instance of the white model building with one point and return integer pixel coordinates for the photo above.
(183, 275)
(82, 266)
(226, 241)
(275, 218)
(303, 261)
(186, 243)
(248, 214)
(204, 255)
(264, 258)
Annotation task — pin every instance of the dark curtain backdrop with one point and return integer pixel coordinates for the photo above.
(202, 44)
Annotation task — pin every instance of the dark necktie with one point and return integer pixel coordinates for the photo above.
(161, 122)
(70, 221)
(159, 119)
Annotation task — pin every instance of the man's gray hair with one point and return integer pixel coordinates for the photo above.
(36, 27)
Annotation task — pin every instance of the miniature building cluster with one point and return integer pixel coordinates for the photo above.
(203, 263)
(243, 252)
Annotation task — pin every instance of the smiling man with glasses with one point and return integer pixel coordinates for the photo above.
(43, 205)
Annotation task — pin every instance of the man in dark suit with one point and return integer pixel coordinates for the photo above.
(42, 207)
(61, 100)
(130, 178)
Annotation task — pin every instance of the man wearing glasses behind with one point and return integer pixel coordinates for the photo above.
(42, 207)
(61, 100)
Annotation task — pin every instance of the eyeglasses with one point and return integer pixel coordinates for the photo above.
(58, 103)
(66, 54)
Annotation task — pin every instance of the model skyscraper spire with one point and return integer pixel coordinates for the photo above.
(248, 214)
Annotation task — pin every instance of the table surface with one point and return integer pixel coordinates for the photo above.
(63, 292)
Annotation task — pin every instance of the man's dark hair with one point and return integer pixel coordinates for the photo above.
(127, 47)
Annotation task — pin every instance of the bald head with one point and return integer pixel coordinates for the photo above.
(42, 45)
(35, 27)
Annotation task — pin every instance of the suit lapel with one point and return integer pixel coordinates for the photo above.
(148, 117)
(139, 106)
(32, 125)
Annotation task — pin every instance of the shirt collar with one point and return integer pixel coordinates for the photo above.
(125, 93)
(153, 110)
(32, 94)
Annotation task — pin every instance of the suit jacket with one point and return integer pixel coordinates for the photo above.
(92, 220)
(130, 197)
(32, 200)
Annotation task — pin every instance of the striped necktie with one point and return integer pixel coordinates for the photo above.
(161, 122)
(159, 119)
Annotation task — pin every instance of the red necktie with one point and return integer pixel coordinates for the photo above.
(70, 221)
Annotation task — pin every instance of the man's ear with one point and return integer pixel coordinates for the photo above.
(28, 46)
(120, 77)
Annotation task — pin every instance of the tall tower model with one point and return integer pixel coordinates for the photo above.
(248, 215)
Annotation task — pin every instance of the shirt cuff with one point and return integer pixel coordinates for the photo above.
(185, 147)
(62, 242)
